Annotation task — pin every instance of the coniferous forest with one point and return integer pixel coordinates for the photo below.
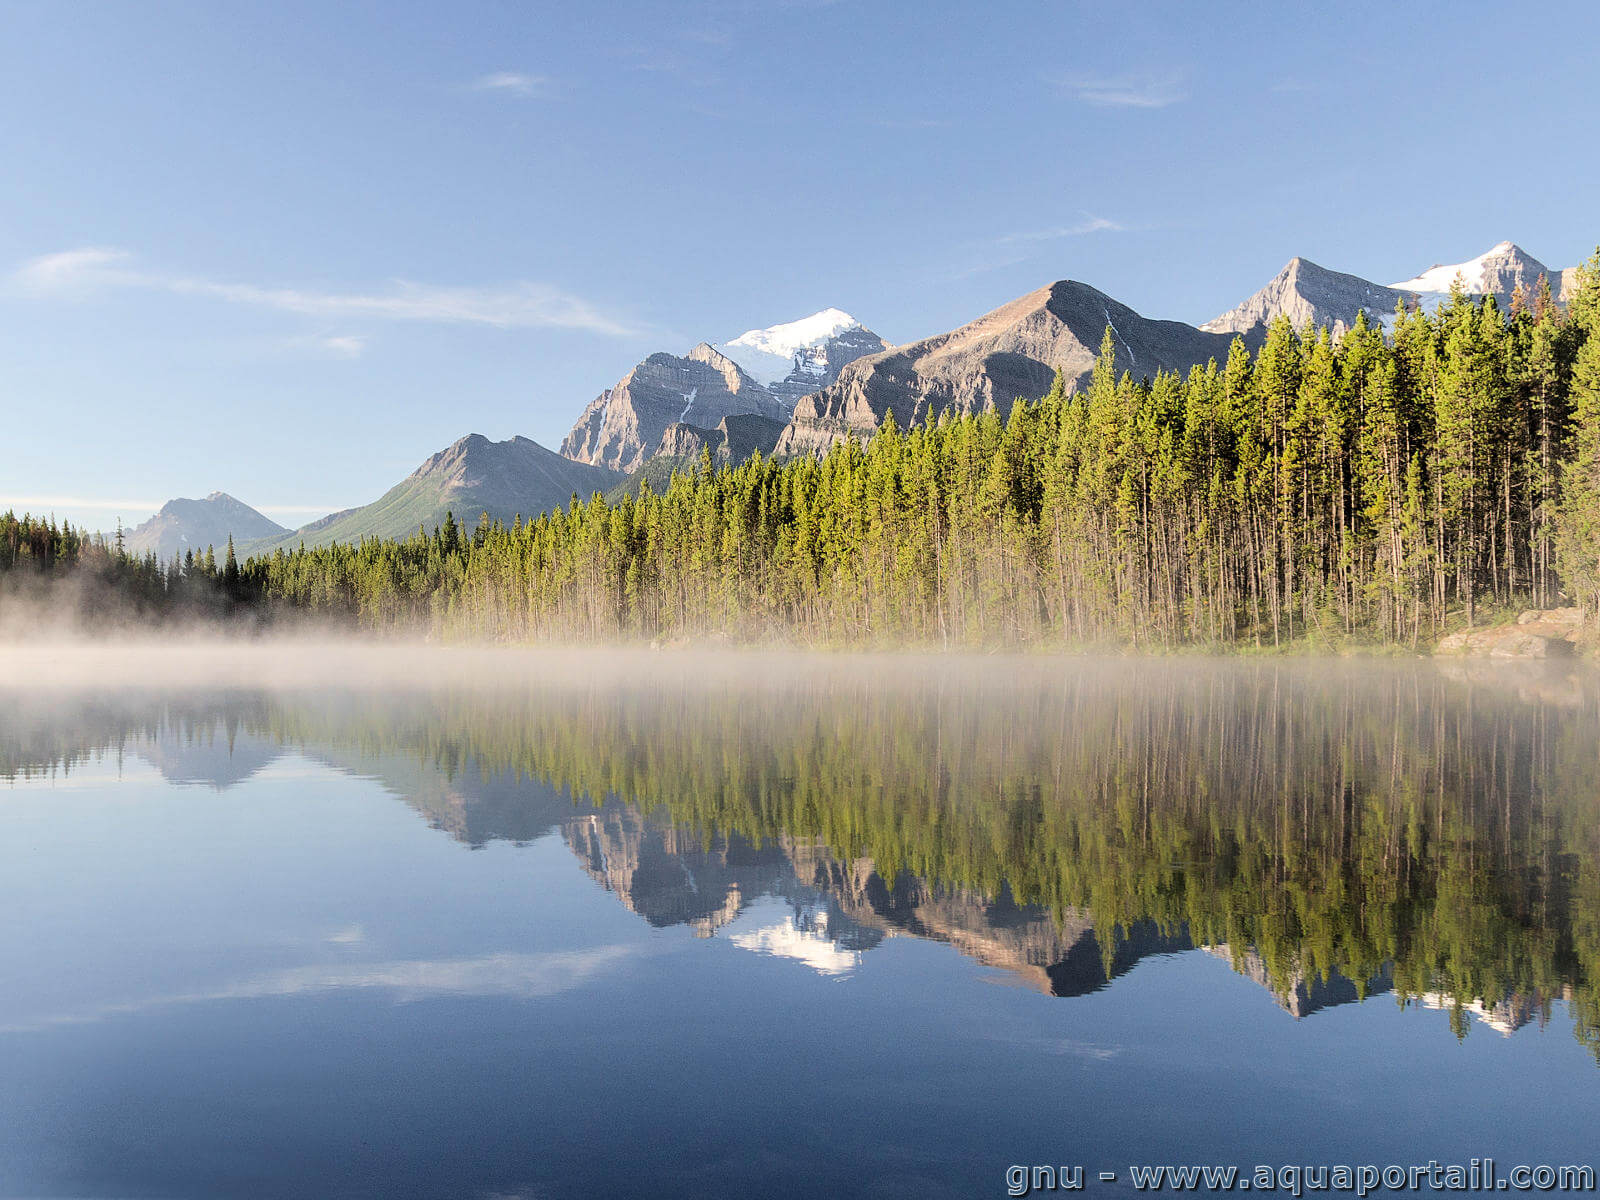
(1414, 474)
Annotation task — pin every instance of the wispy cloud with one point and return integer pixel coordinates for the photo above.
(512, 83)
(1125, 91)
(520, 305)
(47, 503)
(1009, 249)
(344, 346)
(1089, 224)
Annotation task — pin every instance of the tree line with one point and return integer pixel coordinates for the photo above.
(1420, 471)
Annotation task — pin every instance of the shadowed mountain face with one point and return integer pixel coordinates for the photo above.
(1330, 832)
(184, 525)
(624, 424)
(506, 479)
(1010, 354)
(732, 441)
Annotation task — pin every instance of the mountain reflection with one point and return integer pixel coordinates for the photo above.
(1331, 832)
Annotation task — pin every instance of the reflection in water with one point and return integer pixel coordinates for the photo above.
(1331, 832)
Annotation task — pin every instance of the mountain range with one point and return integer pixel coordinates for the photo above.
(760, 373)
(1009, 354)
(1311, 295)
(801, 386)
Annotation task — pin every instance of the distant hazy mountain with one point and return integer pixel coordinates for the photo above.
(798, 357)
(1011, 353)
(1312, 296)
(506, 479)
(623, 424)
(195, 524)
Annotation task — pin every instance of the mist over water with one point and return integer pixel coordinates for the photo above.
(419, 920)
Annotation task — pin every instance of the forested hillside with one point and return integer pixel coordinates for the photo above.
(1382, 486)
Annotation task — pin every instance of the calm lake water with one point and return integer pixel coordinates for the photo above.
(825, 930)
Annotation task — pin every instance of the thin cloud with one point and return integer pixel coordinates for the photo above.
(512, 83)
(1089, 224)
(1125, 91)
(43, 503)
(343, 346)
(520, 305)
(1012, 248)
(95, 504)
(87, 268)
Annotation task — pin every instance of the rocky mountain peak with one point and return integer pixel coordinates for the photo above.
(1005, 355)
(185, 524)
(1497, 272)
(1311, 296)
(797, 358)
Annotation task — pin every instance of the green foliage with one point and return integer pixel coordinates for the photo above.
(1372, 488)
(1318, 491)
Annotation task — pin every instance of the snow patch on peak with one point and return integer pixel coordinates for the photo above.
(1474, 272)
(785, 339)
(768, 355)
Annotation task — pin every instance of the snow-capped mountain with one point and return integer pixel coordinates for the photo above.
(799, 357)
(1312, 296)
(760, 373)
(767, 355)
(624, 424)
(1497, 271)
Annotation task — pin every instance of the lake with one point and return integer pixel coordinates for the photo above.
(512, 926)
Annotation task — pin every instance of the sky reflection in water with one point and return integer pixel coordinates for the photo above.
(689, 936)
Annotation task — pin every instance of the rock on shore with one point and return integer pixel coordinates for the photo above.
(1546, 633)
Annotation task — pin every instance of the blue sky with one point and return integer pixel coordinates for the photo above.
(288, 251)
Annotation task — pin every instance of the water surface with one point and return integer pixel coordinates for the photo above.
(850, 929)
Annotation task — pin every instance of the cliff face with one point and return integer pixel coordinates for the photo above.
(624, 425)
(1010, 354)
(732, 441)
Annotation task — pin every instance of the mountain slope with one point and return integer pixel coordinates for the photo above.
(1497, 271)
(798, 357)
(1309, 295)
(1009, 354)
(623, 425)
(506, 479)
(195, 524)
